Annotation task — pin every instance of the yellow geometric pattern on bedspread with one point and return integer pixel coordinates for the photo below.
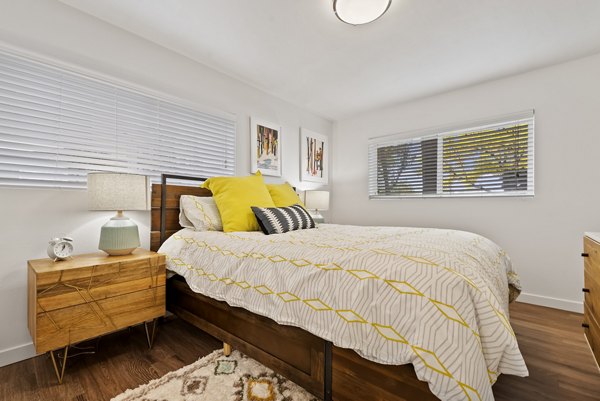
(400, 266)
(446, 310)
(429, 358)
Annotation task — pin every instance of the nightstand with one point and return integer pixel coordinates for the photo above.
(91, 295)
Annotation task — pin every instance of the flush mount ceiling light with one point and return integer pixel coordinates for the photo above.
(359, 12)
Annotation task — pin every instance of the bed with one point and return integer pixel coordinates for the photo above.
(349, 313)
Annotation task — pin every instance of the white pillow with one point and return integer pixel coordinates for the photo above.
(201, 212)
(183, 221)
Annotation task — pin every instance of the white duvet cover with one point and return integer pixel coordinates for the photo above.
(435, 298)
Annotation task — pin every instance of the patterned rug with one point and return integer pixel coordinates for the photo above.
(219, 378)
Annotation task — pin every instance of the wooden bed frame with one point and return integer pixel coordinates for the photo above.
(326, 371)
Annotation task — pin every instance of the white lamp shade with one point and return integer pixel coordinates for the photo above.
(358, 12)
(316, 200)
(116, 191)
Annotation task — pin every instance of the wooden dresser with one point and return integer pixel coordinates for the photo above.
(90, 295)
(591, 304)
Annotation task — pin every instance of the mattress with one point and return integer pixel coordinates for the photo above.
(437, 299)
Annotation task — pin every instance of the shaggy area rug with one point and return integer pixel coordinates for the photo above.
(219, 378)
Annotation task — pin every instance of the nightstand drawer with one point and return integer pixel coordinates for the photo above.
(61, 327)
(65, 288)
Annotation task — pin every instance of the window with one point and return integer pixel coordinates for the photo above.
(56, 126)
(489, 158)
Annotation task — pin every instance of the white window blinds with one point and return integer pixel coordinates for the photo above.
(56, 126)
(489, 158)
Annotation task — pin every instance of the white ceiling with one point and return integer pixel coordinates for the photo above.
(299, 51)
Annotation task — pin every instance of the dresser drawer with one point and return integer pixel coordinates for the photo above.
(592, 332)
(66, 288)
(592, 249)
(591, 282)
(591, 275)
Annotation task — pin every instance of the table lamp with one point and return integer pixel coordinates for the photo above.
(118, 192)
(316, 201)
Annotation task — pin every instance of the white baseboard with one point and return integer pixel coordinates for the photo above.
(550, 302)
(16, 354)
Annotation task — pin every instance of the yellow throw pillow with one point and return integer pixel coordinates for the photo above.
(235, 196)
(283, 195)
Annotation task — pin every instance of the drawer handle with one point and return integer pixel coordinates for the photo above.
(585, 254)
(585, 325)
(585, 290)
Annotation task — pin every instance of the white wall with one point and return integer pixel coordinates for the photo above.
(30, 217)
(543, 235)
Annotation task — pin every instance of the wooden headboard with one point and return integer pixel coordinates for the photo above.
(165, 206)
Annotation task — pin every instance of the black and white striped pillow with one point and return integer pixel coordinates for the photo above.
(279, 220)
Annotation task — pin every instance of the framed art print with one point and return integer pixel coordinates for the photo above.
(314, 157)
(265, 147)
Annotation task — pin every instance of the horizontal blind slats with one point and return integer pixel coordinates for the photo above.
(56, 126)
(494, 158)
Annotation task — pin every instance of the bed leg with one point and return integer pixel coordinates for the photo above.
(226, 349)
(327, 374)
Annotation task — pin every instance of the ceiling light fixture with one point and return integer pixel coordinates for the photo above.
(359, 12)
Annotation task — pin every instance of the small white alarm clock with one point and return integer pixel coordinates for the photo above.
(60, 248)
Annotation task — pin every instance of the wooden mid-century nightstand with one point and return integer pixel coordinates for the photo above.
(90, 295)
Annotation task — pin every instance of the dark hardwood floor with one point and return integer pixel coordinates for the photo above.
(123, 361)
(560, 364)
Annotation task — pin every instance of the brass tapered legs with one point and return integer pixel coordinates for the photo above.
(150, 333)
(226, 349)
(60, 361)
(63, 364)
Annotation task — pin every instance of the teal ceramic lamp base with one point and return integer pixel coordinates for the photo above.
(119, 236)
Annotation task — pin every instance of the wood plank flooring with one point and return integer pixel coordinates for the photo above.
(560, 364)
(123, 361)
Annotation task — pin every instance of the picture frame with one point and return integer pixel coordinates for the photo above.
(314, 156)
(265, 147)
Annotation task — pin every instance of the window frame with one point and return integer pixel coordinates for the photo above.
(441, 132)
